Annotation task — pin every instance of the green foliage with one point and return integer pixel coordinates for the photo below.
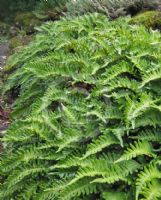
(150, 19)
(4, 28)
(27, 21)
(52, 9)
(113, 195)
(112, 8)
(10, 7)
(45, 5)
(87, 120)
(17, 42)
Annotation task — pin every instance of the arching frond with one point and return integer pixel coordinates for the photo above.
(136, 149)
(146, 176)
(103, 141)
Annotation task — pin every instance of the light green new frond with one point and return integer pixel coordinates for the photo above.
(137, 149)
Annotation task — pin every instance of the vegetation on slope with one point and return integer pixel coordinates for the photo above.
(111, 8)
(87, 117)
(150, 19)
(12, 7)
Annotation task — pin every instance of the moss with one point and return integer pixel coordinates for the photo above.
(4, 28)
(27, 21)
(17, 42)
(150, 19)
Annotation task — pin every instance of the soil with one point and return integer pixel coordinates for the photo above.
(4, 116)
(4, 110)
(4, 51)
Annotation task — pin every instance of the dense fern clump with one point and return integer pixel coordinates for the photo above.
(112, 8)
(87, 121)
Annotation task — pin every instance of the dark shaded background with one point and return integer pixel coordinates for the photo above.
(9, 7)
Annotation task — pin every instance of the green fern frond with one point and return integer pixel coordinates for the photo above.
(151, 76)
(117, 70)
(148, 135)
(82, 187)
(115, 173)
(122, 83)
(136, 149)
(103, 141)
(115, 195)
(18, 175)
(109, 173)
(149, 174)
(134, 109)
(152, 191)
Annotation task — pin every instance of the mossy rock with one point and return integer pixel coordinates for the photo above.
(17, 42)
(4, 28)
(27, 21)
(150, 19)
(52, 14)
(56, 13)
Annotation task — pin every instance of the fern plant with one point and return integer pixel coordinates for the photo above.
(86, 123)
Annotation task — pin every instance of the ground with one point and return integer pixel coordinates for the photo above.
(4, 111)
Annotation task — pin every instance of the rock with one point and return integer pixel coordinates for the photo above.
(4, 50)
(27, 21)
(13, 31)
(17, 42)
(4, 28)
